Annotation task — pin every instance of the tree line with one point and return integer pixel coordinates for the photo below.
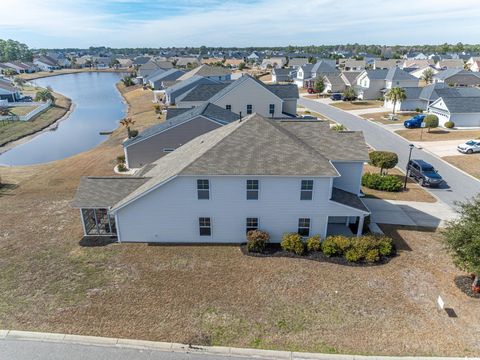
(11, 50)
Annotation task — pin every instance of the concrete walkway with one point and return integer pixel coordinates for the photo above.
(23, 345)
(441, 148)
(410, 213)
(368, 111)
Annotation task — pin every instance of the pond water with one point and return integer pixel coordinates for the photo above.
(98, 107)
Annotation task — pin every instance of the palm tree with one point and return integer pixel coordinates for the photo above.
(427, 75)
(44, 95)
(338, 127)
(395, 95)
(128, 122)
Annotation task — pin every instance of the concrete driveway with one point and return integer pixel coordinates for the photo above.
(441, 148)
(410, 213)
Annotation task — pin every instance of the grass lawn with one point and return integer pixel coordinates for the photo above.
(22, 110)
(52, 281)
(438, 134)
(414, 192)
(470, 163)
(14, 130)
(383, 117)
(356, 105)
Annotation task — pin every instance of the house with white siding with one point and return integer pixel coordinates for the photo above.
(180, 87)
(307, 74)
(457, 77)
(248, 95)
(254, 173)
(460, 105)
(373, 84)
(217, 73)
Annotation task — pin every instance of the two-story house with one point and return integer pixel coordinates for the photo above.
(217, 73)
(254, 173)
(373, 84)
(307, 74)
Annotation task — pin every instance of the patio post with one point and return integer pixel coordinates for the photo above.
(360, 225)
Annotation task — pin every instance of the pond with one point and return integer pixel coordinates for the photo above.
(98, 107)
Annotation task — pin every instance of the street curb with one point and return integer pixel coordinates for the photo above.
(183, 348)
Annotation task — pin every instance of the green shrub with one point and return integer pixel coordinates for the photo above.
(385, 245)
(314, 243)
(388, 183)
(383, 160)
(257, 241)
(354, 255)
(121, 159)
(372, 256)
(418, 110)
(336, 245)
(292, 242)
(449, 125)
(133, 133)
(431, 121)
(122, 167)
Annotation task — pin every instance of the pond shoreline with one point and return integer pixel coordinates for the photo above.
(43, 74)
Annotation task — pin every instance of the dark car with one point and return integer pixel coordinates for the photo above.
(414, 122)
(336, 97)
(424, 173)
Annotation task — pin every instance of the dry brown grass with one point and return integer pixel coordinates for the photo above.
(356, 105)
(470, 164)
(438, 134)
(214, 294)
(383, 117)
(22, 110)
(414, 192)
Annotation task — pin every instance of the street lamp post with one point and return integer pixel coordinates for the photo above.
(411, 146)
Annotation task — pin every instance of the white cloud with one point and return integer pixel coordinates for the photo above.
(50, 23)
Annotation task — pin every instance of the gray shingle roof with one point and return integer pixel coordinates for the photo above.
(104, 192)
(351, 76)
(7, 85)
(202, 92)
(172, 112)
(462, 105)
(413, 93)
(165, 75)
(206, 71)
(397, 74)
(208, 110)
(194, 79)
(377, 74)
(284, 91)
(252, 146)
(445, 74)
(346, 198)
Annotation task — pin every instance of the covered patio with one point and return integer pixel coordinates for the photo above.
(96, 195)
(340, 224)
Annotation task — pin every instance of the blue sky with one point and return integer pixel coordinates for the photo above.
(135, 23)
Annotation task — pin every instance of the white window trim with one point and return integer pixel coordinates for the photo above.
(313, 189)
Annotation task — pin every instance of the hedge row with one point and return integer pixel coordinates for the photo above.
(388, 183)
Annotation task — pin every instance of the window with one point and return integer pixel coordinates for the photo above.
(203, 189)
(249, 109)
(252, 224)
(167, 150)
(304, 227)
(228, 107)
(272, 109)
(205, 226)
(252, 189)
(306, 192)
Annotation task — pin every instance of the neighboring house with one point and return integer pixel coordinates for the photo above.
(184, 62)
(124, 63)
(475, 67)
(151, 66)
(457, 77)
(450, 64)
(472, 60)
(373, 84)
(350, 77)
(463, 111)
(352, 64)
(181, 87)
(334, 83)
(254, 56)
(387, 64)
(248, 95)
(217, 73)
(281, 75)
(140, 60)
(418, 73)
(158, 78)
(297, 62)
(416, 56)
(8, 91)
(411, 103)
(254, 173)
(274, 62)
(21, 67)
(199, 95)
(417, 63)
(46, 63)
(161, 139)
(307, 74)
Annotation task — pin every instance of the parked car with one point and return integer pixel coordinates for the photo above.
(349, 98)
(424, 173)
(414, 122)
(469, 147)
(311, 91)
(336, 97)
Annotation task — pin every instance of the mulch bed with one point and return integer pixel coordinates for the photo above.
(275, 250)
(464, 283)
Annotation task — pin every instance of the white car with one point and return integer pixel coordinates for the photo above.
(469, 147)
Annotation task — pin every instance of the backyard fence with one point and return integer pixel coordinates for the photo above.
(30, 115)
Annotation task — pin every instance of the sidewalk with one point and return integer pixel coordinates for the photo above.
(410, 213)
